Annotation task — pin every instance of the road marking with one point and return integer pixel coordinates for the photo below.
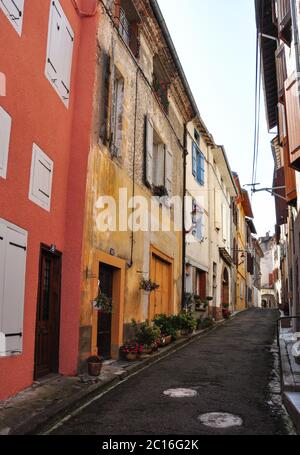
(220, 420)
(180, 393)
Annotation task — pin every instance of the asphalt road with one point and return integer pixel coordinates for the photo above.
(231, 369)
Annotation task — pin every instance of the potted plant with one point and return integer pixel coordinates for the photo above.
(94, 365)
(146, 335)
(130, 352)
(148, 285)
(166, 327)
(103, 303)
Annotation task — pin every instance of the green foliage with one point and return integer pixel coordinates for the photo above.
(145, 333)
(165, 325)
(170, 325)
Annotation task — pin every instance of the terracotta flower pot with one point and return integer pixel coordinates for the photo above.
(94, 368)
(168, 340)
(131, 356)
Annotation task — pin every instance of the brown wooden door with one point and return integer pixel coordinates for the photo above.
(48, 314)
(106, 276)
(160, 299)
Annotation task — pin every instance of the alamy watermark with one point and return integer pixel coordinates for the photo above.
(142, 214)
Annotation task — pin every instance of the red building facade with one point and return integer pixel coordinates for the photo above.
(48, 59)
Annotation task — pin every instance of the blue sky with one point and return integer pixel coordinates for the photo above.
(216, 43)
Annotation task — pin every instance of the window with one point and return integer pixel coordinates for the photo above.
(197, 136)
(40, 178)
(13, 248)
(117, 113)
(59, 52)
(127, 20)
(14, 11)
(161, 84)
(5, 127)
(198, 164)
(158, 162)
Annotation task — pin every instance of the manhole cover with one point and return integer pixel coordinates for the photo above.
(220, 420)
(180, 393)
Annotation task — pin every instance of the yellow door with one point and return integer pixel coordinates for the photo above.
(160, 299)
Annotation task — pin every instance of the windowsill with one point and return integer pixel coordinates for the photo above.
(8, 354)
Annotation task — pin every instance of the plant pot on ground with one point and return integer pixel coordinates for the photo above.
(146, 333)
(94, 365)
(130, 352)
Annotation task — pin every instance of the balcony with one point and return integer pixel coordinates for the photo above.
(284, 20)
(161, 90)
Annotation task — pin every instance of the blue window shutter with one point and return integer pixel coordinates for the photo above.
(202, 169)
(194, 159)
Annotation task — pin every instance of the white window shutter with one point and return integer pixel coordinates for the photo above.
(66, 59)
(218, 209)
(55, 33)
(41, 178)
(12, 286)
(5, 129)
(14, 11)
(168, 171)
(224, 222)
(59, 51)
(149, 151)
(2, 266)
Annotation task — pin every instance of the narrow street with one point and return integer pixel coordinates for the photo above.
(233, 370)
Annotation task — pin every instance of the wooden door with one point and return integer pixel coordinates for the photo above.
(48, 314)
(160, 299)
(106, 277)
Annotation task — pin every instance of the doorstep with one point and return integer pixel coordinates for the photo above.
(39, 407)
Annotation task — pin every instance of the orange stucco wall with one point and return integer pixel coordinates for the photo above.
(38, 115)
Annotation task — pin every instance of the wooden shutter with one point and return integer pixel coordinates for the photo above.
(293, 120)
(14, 10)
(55, 34)
(289, 176)
(224, 222)
(59, 51)
(194, 159)
(218, 209)
(282, 124)
(41, 178)
(281, 70)
(168, 171)
(104, 98)
(5, 128)
(13, 286)
(149, 151)
(66, 59)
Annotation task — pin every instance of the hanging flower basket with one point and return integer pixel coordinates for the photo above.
(103, 303)
(148, 285)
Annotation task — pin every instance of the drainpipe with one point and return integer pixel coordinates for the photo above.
(185, 134)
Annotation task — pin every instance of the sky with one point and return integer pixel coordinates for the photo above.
(216, 44)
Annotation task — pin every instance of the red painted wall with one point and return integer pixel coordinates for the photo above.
(39, 115)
